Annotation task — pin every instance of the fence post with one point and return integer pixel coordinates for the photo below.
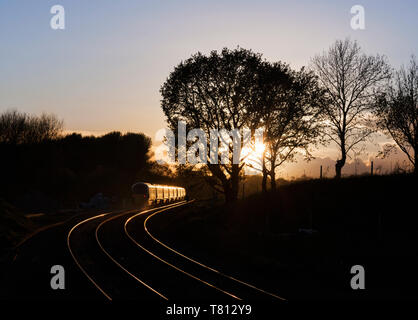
(371, 168)
(320, 173)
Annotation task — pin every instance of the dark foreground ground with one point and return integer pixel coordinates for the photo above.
(301, 241)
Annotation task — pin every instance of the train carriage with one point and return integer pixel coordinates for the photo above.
(144, 193)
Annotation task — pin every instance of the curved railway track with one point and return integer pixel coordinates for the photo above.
(215, 271)
(121, 257)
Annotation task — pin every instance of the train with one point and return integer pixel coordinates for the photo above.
(144, 193)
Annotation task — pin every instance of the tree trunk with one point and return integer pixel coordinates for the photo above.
(229, 186)
(234, 182)
(340, 162)
(228, 194)
(338, 166)
(273, 180)
(265, 173)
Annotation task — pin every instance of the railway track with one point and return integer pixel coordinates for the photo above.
(239, 285)
(119, 255)
(109, 279)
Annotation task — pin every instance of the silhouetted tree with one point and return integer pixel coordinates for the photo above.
(43, 128)
(294, 125)
(196, 181)
(17, 127)
(273, 84)
(288, 109)
(213, 92)
(51, 170)
(397, 111)
(350, 79)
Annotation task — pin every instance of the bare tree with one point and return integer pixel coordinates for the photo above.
(397, 111)
(43, 127)
(17, 127)
(13, 125)
(350, 78)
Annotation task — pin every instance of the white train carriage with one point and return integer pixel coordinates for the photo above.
(148, 193)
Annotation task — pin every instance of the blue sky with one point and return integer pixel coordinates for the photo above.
(104, 71)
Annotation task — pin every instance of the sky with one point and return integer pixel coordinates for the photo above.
(104, 70)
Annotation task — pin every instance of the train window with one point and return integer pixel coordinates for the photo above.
(160, 193)
(152, 193)
(155, 192)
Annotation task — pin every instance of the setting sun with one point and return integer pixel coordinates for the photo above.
(252, 154)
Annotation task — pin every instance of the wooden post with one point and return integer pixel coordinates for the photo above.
(371, 168)
(320, 173)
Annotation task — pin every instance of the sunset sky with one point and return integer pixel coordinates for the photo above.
(104, 71)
